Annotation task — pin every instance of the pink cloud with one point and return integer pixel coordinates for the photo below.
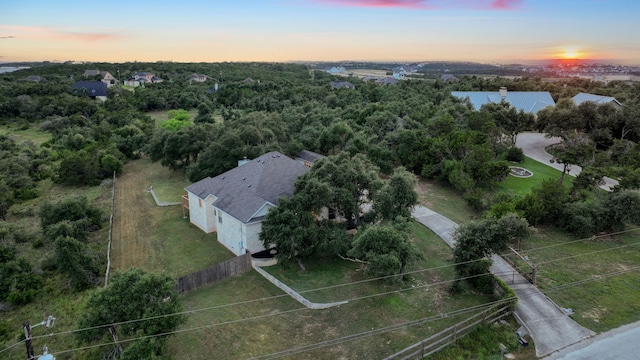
(505, 4)
(428, 4)
(379, 3)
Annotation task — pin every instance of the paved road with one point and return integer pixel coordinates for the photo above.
(549, 327)
(617, 344)
(533, 145)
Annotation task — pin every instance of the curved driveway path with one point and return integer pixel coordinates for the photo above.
(533, 145)
(549, 327)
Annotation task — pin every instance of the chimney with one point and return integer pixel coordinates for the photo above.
(503, 92)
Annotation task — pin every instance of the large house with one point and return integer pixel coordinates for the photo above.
(527, 101)
(93, 89)
(234, 204)
(104, 76)
(598, 99)
(141, 78)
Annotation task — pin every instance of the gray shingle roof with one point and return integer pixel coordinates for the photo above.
(528, 101)
(90, 88)
(309, 156)
(598, 99)
(243, 190)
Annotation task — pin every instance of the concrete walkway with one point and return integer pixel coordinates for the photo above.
(549, 327)
(299, 298)
(533, 145)
(158, 202)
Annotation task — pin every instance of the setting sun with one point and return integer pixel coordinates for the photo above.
(571, 53)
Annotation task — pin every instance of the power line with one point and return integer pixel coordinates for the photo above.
(348, 284)
(354, 336)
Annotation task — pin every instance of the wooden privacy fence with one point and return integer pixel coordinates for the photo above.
(215, 273)
(449, 335)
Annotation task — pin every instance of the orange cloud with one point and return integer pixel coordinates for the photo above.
(37, 32)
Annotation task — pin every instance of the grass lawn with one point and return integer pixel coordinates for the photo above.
(442, 198)
(604, 303)
(34, 135)
(522, 186)
(161, 116)
(278, 331)
(157, 238)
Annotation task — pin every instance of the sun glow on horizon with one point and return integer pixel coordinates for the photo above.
(571, 52)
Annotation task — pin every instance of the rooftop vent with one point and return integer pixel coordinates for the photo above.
(244, 178)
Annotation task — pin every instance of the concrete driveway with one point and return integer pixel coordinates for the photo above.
(533, 145)
(549, 327)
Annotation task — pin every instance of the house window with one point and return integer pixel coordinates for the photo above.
(219, 219)
(200, 202)
(332, 213)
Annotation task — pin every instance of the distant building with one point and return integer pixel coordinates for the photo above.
(341, 85)
(198, 77)
(336, 70)
(141, 78)
(598, 99)
(448, 77)
(527, 101)
(104, 76)
(35, 79)
(93, 89)
(387, 81)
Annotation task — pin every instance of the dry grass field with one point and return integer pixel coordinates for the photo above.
(361, 73)
(158, 238)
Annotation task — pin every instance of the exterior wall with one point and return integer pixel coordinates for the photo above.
(252, 237)
(230, 232)
(201, 213)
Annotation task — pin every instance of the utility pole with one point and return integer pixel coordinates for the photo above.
(27, 342)
(27, 335)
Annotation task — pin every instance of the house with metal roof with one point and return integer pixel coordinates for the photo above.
(598, 99)
(527, 101)
(235, 203)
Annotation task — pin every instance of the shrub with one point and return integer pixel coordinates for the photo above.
(515, 154)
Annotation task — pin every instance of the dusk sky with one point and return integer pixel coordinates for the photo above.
(320, 30)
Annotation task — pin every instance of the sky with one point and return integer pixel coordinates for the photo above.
(488, 31)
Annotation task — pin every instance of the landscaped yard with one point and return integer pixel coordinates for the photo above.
(286, 324)
(522, 186)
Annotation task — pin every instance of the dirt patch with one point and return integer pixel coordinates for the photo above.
(595, 314)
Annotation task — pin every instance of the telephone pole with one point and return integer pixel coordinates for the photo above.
(27, 342)
(27, 335)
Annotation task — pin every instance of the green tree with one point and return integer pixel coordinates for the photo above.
(478, 240)
(398, 196)
(146, 304)
(386, 250)
(292, 230)
(75, 260)
(351, 181)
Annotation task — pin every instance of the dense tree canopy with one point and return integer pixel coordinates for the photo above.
(145, 304)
